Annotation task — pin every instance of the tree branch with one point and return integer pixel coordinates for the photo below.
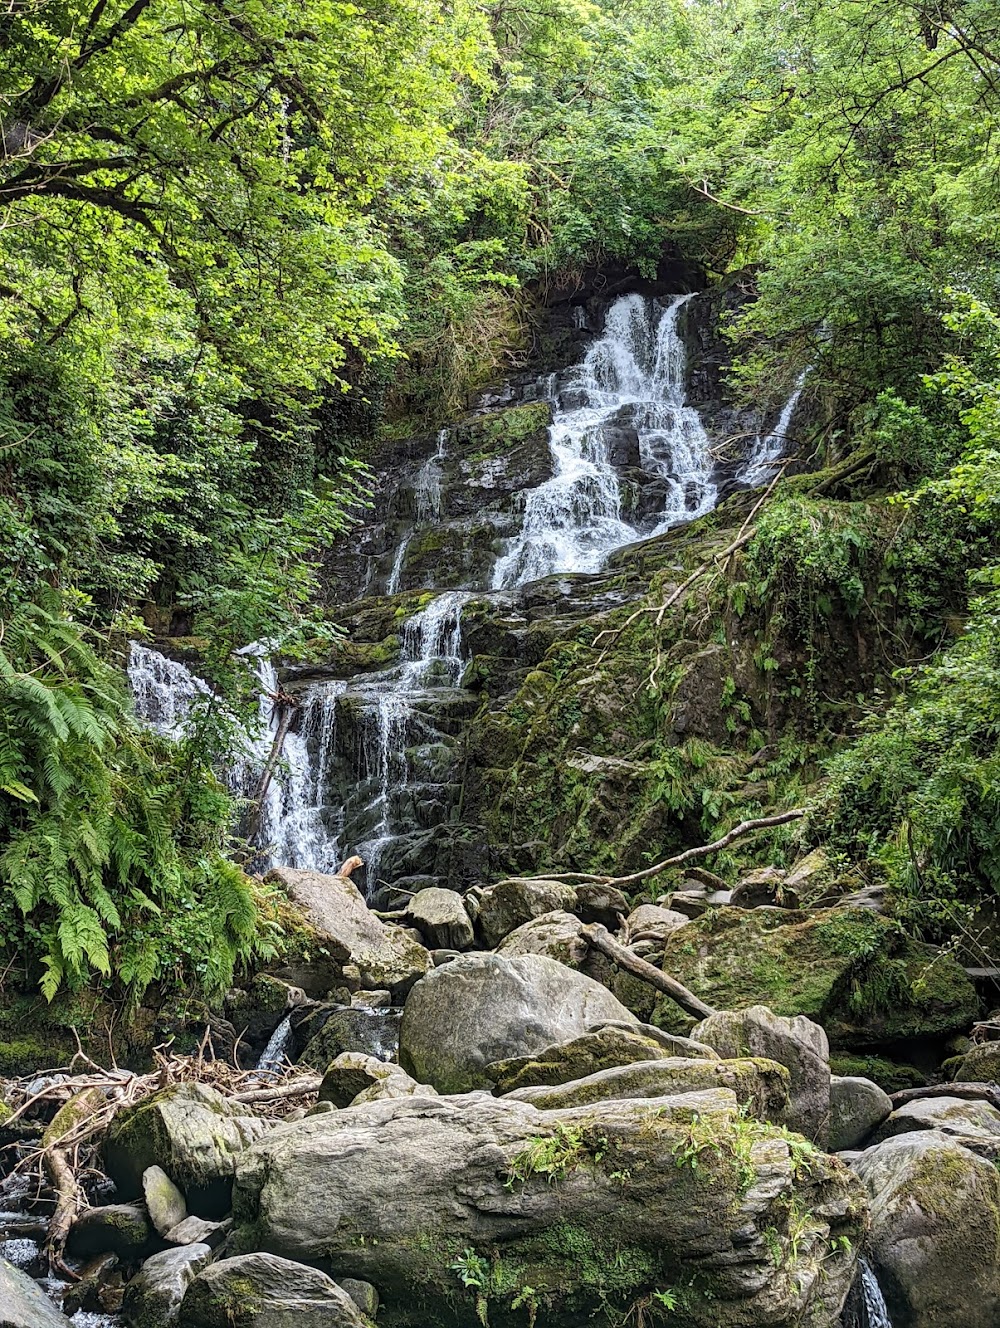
(601, 939)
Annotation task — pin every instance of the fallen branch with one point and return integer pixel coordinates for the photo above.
(300, 1087)
(601, 939)
(705, 877)
(69, 1201)
(682, 859)
(972, 1092)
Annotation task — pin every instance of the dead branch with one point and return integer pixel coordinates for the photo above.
(299, 1087)
(601, 939)
(973, 1092)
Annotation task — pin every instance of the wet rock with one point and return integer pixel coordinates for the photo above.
(264, 1291)
(441, 916)
(389, 1191)
(760, 1085)
(558, 935)
(797, 1044)
(601, 903)
(99, 1289)
(565, 1061)
(857, 1107)
(153, 1297)
(485, 1008)
(164, 1201)
(508, 904)
(767, 887)
(194, 1133)
(336, 909)
(935, 1231)
(122, 1229)
(23, 1304)
(359, 1028)
(948, 1115)
(196, 1231)
(353, 1075)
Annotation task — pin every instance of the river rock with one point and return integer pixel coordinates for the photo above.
(153, 1297)
(336, 909)
(857, 1107)
(948, 1115)
(164, 1201)
(798, 1044)
(122, 1229)
(979, 1065)
(508, 904)
(196, 1231)
(23, 1304)
(601, 903)
(935, 1231)
(263, 1291)
(363, 1294)
(350, 1028)
(354, 1076)
(632, 1196)
(557, 934)
(766, 887)
(441, 916)
(191, 1131)
(485, 1007)
(575, 1059)
(759, 1084)
(650, 922)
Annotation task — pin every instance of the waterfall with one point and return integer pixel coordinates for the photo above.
(759, 468)
(273, 1057)
(427, 506)
(866, 1307)
(633, 375)
(164, 690)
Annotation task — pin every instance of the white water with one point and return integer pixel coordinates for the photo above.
(273, 1057)
(164, 689)
(427, 506)
(633, 375)
(875, 1306)
(768, 451)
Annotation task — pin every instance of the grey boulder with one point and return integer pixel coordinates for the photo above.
(599, 1049)
(442, 918)
(263, 1291)
(25, 1305)
(949, 1115)
(857, 1107)
(154, 1295)
(122, 1229)
(650, 922)
(508, 904)
(486, 1007)
(557, 934)
(354, 1077)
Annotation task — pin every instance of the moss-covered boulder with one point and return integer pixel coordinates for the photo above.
(851, 970)
(464, 1207)
(261, 1291)
(601, 1049)
(557, 934)
(509, 904)
(979, 1065)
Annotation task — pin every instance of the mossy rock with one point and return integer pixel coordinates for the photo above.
(891, 1076)
(979, 1065)
(851, 970)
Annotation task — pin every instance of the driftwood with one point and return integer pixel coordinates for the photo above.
(972, 1092)
(69, 1201)
(682, 859)
(601, 939)
(301, 1086)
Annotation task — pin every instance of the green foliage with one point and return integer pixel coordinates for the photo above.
(553, 1156)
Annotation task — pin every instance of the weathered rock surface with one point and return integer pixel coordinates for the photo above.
(122, 1229)
(350, 1028)
(857, 1107)
(355, 1077)
(442, 918)
(833, 965)
(509, 904)
(797, 1044)
(153, 1297)
(484, 1008)
(980, 1065)
(575, 1059)
(336, 909)
(164, 1201)
(650, 922)
(262, 1291)
(760, 1085)
(393, 1192)
(948, 1115)
(601, 903)
(23, 1304)
(935, 1231)
(557, 934)
(191, 1131)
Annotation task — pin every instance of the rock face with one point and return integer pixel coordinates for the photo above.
(650, 922)
(935, 1231)
(849, 969)
(760, 1085)
(337, 910)
(575, 1059)
(261, 1291)
(590, 1209)
(485, 1008)
(23, 1304)
(194, 1133)
(980, 1065)
(947, 1115)
(441, 917)
(508, 904)
(154, 1295)
(857, 1107)
(797, 1044)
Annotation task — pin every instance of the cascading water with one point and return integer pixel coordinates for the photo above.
(768, 451)
(164, 689)
(633, 375)
(273, 1057)
(427, 505)
(866, 1307)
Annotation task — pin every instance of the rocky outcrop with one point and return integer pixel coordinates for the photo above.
(23, 1304)
(485, 1008)
(337, 911)
(935, 1231)
(153, 1297)
(261, 1291)
(441, 1203)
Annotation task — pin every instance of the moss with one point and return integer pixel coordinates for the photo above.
(5, 1112)
(890, 1076)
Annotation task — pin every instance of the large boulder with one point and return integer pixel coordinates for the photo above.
(354, 1077)
(122, 1229)
(857, 1107)
(261, 1291)
(153, 1297)
(759, 1084)
(508, 904)
(797, 1044)
(981, 1064)
(442, 918)
(361, 1028)
(948, 1115)
(650, 922)
(564, 1061)
(557, 934)
(192, 1132)
(851, 970)
(484, 1008)
(580, 1212)
(336, 910)
(23, 1304)
(935, 1231)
